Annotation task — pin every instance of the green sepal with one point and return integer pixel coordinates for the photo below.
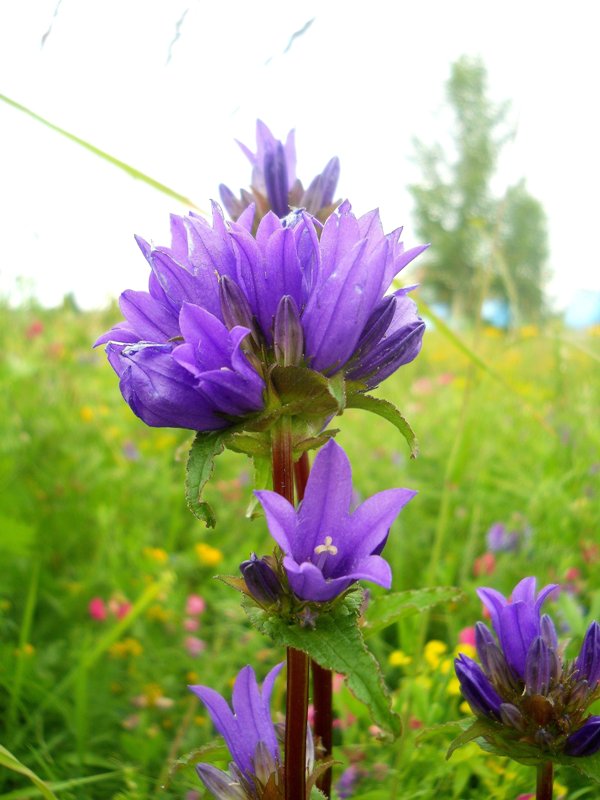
(386, 609)
(477, 728)
(251, 444)
(496, 738)
(210, 753)
(314, 442)
(334, 640)
(383, 408)
(239, 584)
(200, 464)
(263, 479)
(304, 392)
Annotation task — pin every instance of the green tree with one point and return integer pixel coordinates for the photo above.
(482, 246)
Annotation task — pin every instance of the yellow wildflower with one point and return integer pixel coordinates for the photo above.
(158, 613)
(27, 650)
(200, 720)
(208, 555)
(398, 659)
(465, 648)
(86, 414)
(127, 647)
(156, 554)
(465, 708)
(433, 652)
(445, 666)
(454, 687)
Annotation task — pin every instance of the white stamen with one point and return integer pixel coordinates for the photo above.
(327, 547)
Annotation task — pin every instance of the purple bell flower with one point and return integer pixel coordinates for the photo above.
(326, 548)
(274, 183)
(249, 734)
(516, 621)
(523, 681)
(223, 305)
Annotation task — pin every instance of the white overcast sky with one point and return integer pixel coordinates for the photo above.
(363, 80)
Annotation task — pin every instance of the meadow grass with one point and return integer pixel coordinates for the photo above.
(92, 508)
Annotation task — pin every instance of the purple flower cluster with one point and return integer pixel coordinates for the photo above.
(224, 304)
(523, 681)
(275, 186)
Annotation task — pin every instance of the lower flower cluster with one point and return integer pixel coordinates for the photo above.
(536, 697)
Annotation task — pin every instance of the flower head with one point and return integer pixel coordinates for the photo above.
(326, 548)
(274, 183)
(249, 734)
(534, 696)
(224, 306)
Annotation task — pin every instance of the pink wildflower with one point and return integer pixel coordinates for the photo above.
(97, 609)
(467, 636)
(194, 645)
(195, 605)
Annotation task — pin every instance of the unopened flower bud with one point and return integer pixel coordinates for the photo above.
(234, 305)
(276, 179)
(484, 639)
(579, 695)
(288, 337)
(548, 632)
(263, 584)
(543, 738)
(510, 715)
(586, 740)
(538, 667)
(588, 661)
(479, 693)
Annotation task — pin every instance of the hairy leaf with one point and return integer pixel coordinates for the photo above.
(205, 448)
(391, 607)
(336, 643)
(383, 408)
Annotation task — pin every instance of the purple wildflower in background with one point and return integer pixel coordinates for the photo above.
(224, 305)
(274, 184)
(326, 548)
(509, 538)
(524, 683)
(249, 734)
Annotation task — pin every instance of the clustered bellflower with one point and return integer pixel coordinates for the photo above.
(256, 769)
(326, 547)
(249, 734)
(223, 305)
(524, 685)
(275, 186)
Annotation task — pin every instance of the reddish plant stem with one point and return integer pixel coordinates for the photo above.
(545, 780)
(322, 682)
(321, 677)
(297, 661)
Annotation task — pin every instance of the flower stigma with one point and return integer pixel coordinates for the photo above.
(325, 549)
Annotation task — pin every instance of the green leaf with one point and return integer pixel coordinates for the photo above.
(337, 389)
(588, 766)
(263, 478)
(251, 444)
(314, 442)
(390, 608)
(478, 728)
(335, 643)
(132, 171)
(205, 448)
(383, 408)
(9, 761)
(303, 392)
